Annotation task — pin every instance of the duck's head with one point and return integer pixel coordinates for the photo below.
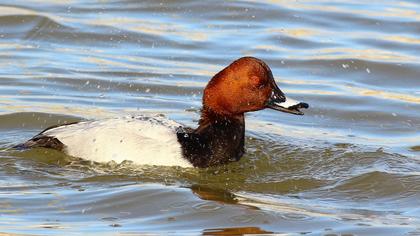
(247, 85)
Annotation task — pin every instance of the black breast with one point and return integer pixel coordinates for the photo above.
(215, 143)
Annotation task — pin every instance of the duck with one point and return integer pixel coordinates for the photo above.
(246, 85)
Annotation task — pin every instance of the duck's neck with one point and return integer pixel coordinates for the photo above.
(219, 139)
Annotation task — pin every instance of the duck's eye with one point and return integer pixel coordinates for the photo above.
(257, 82)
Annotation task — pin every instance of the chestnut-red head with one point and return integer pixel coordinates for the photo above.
(246, 85)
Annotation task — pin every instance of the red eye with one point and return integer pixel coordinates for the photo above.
(257, 81)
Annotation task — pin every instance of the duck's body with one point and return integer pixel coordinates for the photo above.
(246, 85)
(147, 141)
(140, 139)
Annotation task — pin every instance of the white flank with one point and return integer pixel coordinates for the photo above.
(142, 140)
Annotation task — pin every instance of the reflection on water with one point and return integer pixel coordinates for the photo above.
(236, 231)
(350, 166)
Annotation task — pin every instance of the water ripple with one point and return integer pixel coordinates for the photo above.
(349, 166)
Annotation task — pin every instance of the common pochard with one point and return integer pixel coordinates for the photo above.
(245, 85)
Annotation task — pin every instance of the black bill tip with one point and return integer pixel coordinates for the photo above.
(299, 106)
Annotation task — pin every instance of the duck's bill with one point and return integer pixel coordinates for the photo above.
(279, 102)
(292, 109)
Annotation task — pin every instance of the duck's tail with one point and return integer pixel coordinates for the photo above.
(41, 141)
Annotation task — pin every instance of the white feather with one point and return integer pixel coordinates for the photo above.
(142, 140)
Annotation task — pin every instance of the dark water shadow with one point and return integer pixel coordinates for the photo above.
(236, 231)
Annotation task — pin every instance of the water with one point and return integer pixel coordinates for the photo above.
(350, 166)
